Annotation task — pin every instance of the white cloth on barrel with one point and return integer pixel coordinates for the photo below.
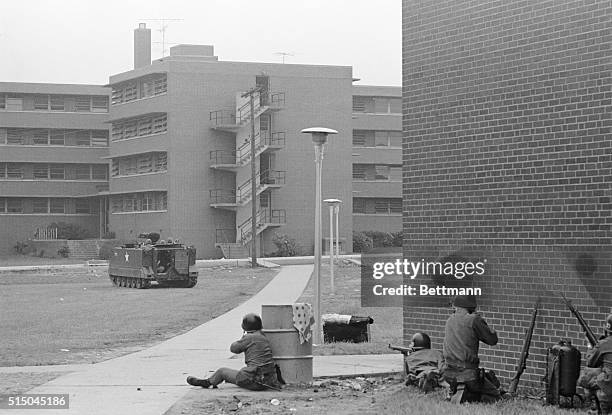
(303, 319)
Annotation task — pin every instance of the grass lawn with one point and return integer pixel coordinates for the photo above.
(387, 326)
(78, 316)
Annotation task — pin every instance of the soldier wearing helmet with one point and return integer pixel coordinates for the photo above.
(463, 332)
(259, 372)
(596, 379)
(423, 364)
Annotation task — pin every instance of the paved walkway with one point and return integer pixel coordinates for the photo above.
(149, 382)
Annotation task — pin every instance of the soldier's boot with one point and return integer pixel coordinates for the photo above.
(193, 381)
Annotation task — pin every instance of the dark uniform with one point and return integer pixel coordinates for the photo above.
(597, 377)
(259, 372)
(423, 364)
(463, 332)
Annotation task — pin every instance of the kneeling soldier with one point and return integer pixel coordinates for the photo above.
(260, 371)
(423, 364)
(597, 377)
(463, 332)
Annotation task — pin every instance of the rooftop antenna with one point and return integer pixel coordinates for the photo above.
(283, 54)
(162, 30)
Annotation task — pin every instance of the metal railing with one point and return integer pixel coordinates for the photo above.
(45, 233)
(263, 218)
(243, 154)
(242, 115)
(243, 192)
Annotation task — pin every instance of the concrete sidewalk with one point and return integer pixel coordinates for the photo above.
(152, 380)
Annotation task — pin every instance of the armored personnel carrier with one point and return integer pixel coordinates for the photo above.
(166, 262)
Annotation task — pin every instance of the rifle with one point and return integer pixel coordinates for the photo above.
(522, 363)
(404, 350)
(587, 330)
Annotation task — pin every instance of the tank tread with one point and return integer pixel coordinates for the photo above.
(130, 282)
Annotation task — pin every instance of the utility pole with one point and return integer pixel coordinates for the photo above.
(250, 93)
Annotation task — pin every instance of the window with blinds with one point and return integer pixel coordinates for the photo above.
(83, 138)
(40, 171)
(57, 205)
(161, 162)
(82, 172)
(99, 138)
(40, 205)
(359, 205)
(41, 102)
(57, 172)
(57, 138)
(359, 172)
(14, 205)
(57, 103)
(82, 104)
(139, 202)
(359, 138)
(14, 171)
(40, 137)
(82, 206)
(99, 172)
(99, 104)
(145, 163)
(14, 136)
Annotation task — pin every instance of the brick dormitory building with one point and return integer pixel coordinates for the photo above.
(164, 148)
(508, 159)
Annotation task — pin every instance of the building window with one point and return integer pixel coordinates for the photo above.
(139, 202)
(82, 172)
(14, 171)
(377, 206)
(40, 137)
(359, 104)
(141, 164)
(82, 206)
(99, 104)
(57, 138)
(99, 172)
(14, 205)
(41, 102)
(14, 104)
(161, 161)
(99, 138)
(359, 138)
(57, 172)
(57, 103)
(359, 205)
(382, 172)
(40, 171)
(140, 127)
(40, 205)
(14, 136)
(2, 101)
(148, 86)
(359, 172)
(145, 163)
(83, 138)
(2, 202)
(2, 170)
(57, 205)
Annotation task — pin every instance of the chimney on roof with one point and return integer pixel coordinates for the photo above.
(142, 46)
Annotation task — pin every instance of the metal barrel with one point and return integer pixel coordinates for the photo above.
(293, 358)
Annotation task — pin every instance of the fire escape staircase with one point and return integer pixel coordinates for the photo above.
(232, 199)
(230, 121)
(233, 160)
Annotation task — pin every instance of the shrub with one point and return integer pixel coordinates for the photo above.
(362, 242)
(397, 238)
(380, 239)
(285, 245)
(64, 251)
(70, 231)
(21, 248)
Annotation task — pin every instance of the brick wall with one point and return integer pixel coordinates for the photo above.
(508, 157)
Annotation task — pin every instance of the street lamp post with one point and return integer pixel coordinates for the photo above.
(337, 210)
(333, 204)
(319, 138)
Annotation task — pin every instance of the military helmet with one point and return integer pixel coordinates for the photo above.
(420, 341)
(609, 324)
(465, 301)
(251, 322)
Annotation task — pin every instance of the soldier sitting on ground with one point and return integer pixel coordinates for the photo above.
(463, 332)
(423, 364)
(260, 370)
(596, 379)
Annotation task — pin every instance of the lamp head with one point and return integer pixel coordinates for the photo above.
(333, 202)
(319, 134)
